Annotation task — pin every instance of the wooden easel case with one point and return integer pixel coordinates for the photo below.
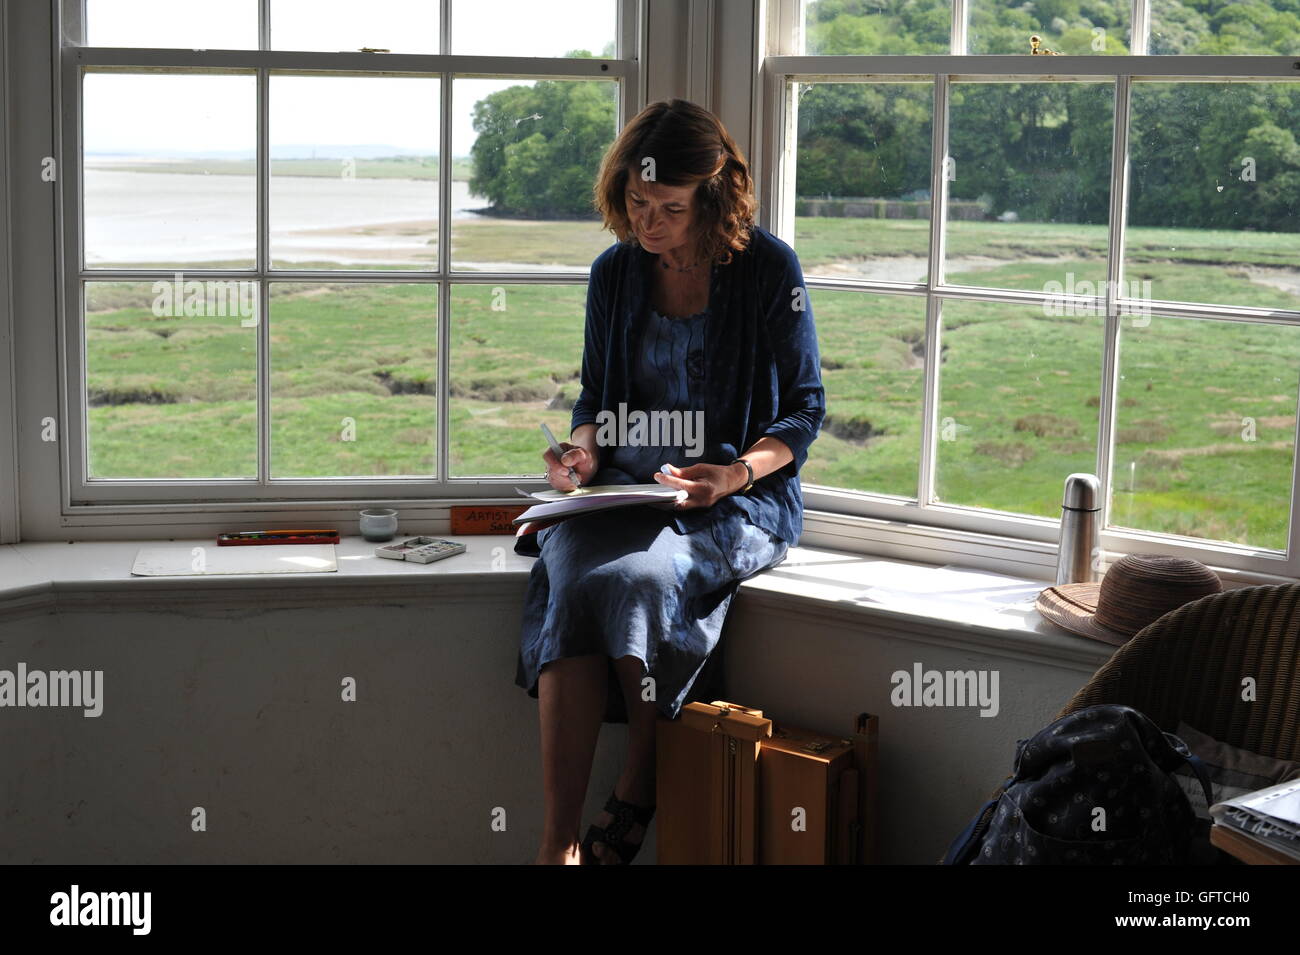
(735, 788)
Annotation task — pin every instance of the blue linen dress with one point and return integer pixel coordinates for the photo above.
(627, 582)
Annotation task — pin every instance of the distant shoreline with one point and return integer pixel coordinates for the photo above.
(397, 167)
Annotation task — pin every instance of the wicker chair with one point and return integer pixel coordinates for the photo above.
(1190, 663)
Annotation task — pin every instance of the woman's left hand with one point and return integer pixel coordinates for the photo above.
(705, 484)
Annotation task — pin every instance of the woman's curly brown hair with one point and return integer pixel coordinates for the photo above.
(688, 146)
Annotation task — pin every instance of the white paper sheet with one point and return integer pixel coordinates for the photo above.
(204, 560)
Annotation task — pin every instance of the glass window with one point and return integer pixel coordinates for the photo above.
(156, 195)
(515, 362)
(1018, 409)
(862, 183)
(354, 172)
(190, 234)
(1214, 205)
(187, 24)
(1029, 185)
(1073, 27)
(528, 28)
(1215, 27)
(1209, 221)
(397, 26)
(171, 378)
(353, 379)
(529, 153)
(1205, 429)
(879, 27)
(873, 369)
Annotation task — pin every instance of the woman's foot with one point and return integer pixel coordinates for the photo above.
(640, 803)
(559, 855)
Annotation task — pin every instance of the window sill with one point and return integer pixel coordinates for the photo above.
(1026, 548)
(955, 606)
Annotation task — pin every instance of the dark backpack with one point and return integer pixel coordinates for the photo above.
(1108, 758)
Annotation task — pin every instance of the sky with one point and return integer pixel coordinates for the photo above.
(167, 114)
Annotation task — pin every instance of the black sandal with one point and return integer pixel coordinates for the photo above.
(626, 815)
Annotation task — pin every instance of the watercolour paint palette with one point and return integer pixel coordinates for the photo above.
(421, 550)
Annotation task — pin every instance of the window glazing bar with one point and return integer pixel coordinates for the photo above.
(1015, 67)
(359, 64)
(262, 330)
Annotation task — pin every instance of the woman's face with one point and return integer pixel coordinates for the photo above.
(661, 216)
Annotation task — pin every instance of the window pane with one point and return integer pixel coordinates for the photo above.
(1214, 209)
(1205, 429)
(873, 368)
(1239, 27)
(353, 379)
(1019, 398)
(531, 151)
(354, 172)
(880, 27)
(168, 171)
(516, 361)
(171, 379)
(187, 24)
(399, 26)
(1029, 184)
(528, 28)
(862, 180)
(1063, 26)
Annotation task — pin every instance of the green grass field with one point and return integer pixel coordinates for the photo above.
(1206, 414)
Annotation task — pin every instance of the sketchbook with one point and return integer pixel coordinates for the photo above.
(557, 505)
(1270, 816)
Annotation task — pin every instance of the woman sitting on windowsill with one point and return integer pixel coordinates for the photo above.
(695, 310)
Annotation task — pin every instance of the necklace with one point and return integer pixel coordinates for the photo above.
(677, 269)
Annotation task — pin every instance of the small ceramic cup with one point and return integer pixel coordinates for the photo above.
(379, 524)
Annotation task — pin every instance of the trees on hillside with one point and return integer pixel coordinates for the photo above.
(1041, 150)
(539, 146)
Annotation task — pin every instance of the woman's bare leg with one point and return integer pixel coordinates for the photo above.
(637, 782)
(571, 704)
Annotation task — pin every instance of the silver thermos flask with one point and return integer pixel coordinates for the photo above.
(1080, 530)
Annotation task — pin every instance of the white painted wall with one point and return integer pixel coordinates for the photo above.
(239, 712)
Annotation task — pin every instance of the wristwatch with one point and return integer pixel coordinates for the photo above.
(750, 484)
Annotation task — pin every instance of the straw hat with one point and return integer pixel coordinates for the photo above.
(1137, 590)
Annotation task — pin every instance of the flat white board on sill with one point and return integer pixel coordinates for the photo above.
(209, 559)
(956, 587)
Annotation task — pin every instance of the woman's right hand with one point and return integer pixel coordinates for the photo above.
(575, 456)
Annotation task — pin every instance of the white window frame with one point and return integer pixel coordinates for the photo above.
(924, 528)
(106, 502)
(9, 525)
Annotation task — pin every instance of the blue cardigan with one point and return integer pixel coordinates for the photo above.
(762, 370)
